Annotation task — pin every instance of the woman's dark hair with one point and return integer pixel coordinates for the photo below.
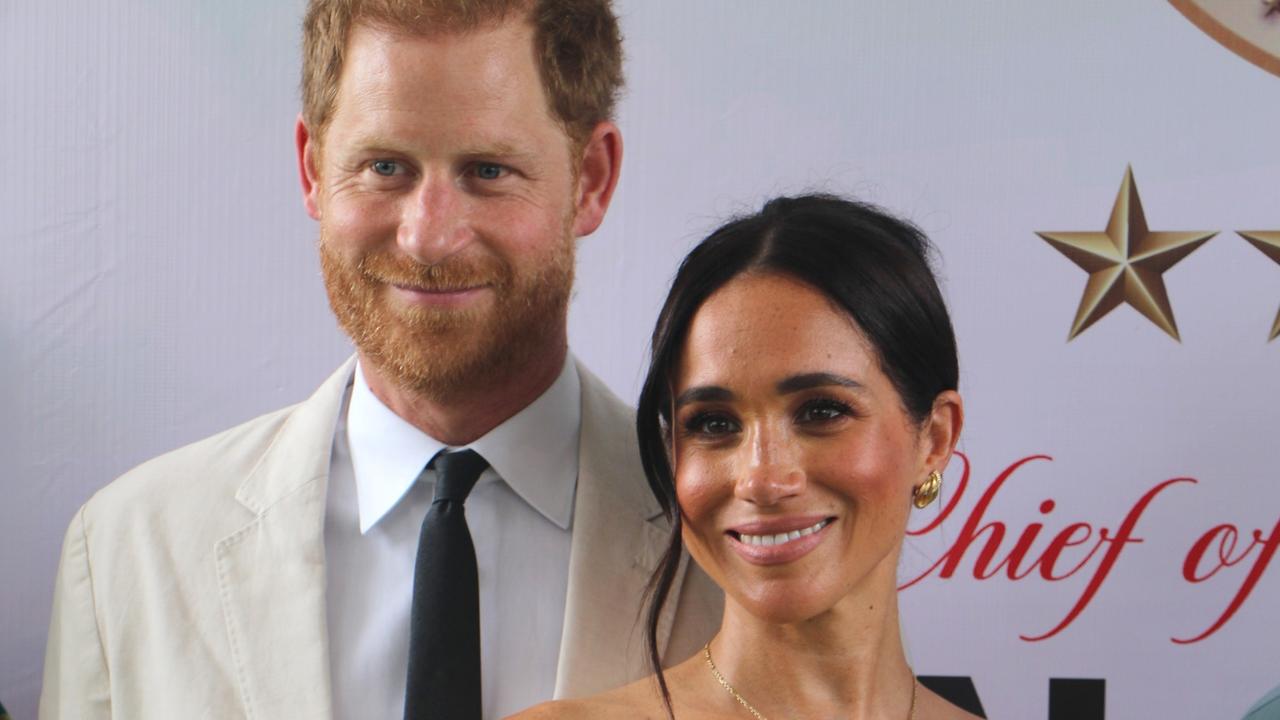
(873, 266)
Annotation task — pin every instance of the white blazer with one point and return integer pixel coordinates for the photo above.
(193, 586)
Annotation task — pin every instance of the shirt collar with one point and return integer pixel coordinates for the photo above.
(534, 451)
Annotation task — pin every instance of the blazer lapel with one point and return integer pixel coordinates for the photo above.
(619, 536)
(271, 573)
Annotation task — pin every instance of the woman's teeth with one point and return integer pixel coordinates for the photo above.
(780, 538)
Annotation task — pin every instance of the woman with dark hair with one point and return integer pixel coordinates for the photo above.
(801, 398)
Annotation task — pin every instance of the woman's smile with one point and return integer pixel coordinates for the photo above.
(779, 540)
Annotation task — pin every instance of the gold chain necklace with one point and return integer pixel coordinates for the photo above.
(706, 653)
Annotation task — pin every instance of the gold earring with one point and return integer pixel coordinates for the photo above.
(928, 490)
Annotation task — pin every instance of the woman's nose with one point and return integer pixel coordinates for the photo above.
(769, 470)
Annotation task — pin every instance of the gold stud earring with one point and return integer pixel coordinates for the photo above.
(928, 490)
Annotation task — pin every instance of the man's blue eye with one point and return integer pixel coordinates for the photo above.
(384, 167)
(488, 171)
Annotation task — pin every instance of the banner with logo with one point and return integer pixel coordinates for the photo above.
(1108, 542)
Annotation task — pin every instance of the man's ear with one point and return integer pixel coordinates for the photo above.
(598, 169)
(308, 152)
(942, 430)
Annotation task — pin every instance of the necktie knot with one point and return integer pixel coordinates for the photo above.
(456, 474)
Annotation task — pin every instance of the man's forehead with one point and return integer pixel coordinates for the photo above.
(371, 121)
(477, 93)
(484, 65)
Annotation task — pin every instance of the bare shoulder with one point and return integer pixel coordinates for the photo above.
(633, 702)
(931, 706)
(556, 709)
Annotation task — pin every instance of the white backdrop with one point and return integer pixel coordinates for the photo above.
(160, 283)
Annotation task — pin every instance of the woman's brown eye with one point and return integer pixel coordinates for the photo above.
(707, 424)
(717, 426)
(823, 411)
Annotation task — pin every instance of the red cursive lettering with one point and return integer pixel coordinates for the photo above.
(1122, 537)
(1014, 562)
(1226, 543)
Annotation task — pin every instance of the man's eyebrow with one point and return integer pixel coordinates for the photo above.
(705, 393)
(372, 142)
(376, 142)
(494, 150)
(805, 381)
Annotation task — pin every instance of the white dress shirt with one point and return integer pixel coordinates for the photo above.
(519, 514)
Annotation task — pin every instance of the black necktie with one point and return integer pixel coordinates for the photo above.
(444, 628)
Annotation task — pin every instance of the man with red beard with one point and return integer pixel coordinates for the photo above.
(315, 562)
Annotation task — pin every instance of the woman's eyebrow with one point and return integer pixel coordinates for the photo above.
(805, 381)
(705, 393)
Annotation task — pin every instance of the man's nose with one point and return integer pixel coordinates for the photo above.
(770, 470)
(433, 223)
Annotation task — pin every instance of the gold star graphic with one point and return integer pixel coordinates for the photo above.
(1125, 262)
(1269, 244)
